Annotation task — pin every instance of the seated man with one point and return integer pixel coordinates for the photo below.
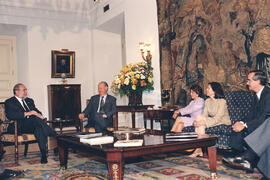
(259, 112)
(257, 118)
(29, 118)
(100, 109)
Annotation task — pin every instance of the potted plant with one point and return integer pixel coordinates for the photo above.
(132, 80)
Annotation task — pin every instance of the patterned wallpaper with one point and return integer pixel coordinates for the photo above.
(211, 40)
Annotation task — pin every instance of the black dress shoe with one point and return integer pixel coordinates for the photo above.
(10, 174)
(44, 160)
(239, 163)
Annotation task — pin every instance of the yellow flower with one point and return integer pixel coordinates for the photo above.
(149, 79)
(137, 76)
(134, 87)
(119, 85)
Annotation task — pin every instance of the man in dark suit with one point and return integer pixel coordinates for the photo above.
(257, 120)
(259, 112)
(100, 109)
(29, 118)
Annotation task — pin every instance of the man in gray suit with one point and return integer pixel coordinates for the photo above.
(100, 109)
(258, 151)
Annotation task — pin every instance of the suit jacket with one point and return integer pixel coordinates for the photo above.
(259, 142)
(109, 109)
(15, 111)
(260, 110)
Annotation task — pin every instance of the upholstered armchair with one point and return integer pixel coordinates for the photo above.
(14, 139)
(115, 124)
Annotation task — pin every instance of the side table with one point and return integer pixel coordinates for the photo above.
(61, 123)
(133, 110)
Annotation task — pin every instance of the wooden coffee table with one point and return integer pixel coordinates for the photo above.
(115, 157)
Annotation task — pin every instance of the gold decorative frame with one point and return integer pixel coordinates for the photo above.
(66, 70)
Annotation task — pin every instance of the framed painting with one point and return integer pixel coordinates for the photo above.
(63, 64)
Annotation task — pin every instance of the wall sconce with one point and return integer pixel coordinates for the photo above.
(146, 47)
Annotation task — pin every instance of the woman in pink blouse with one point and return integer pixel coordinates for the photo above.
(194, 109)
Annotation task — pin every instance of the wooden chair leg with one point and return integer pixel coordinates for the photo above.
(16, 143)
(25, 149)
(16, 154)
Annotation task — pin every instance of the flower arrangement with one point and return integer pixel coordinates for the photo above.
(133, 79)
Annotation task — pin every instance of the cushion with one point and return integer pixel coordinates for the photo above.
(21, 138)
(92, 130)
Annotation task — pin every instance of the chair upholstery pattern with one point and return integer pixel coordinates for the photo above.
(239, 104)
(3, 127)
(21, 138)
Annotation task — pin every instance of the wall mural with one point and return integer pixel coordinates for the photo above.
(211, 40)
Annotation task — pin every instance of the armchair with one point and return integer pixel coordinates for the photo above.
(115, 124)
(14, 139)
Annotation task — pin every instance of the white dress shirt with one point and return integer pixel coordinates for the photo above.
(259, 93)
(21, 101)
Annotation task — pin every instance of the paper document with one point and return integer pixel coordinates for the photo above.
(128, 143)
(98, 140)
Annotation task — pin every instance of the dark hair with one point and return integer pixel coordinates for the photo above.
(104, 82)
(16, 87)
(217, 88)
(197, 89)
(259, 75)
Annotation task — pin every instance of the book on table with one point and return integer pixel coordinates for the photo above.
(180, 139)
(98, 140)
(128, 143)
(88, 135)
(181, 136)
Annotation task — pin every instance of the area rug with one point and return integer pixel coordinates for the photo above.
(155, 167)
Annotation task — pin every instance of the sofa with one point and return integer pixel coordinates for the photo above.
(239, 105)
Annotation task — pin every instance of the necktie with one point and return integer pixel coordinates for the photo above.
(25, 106)
(101, 108)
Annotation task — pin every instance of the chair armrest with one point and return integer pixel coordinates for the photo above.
(45, 120)
(8, 122)
(81, 123)
(84, 119)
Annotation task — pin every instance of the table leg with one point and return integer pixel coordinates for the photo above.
(212, 155)
(61, 127)
(133, 119)
(145, 123)
(63, 156)
(152, 120)
(115, 166)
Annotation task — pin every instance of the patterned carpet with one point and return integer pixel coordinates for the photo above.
(154, 167)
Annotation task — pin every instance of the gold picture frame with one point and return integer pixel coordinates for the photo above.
(63, 64)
